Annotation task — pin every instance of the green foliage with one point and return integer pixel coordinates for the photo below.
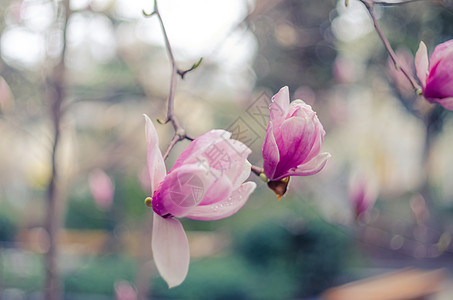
(271, 260)
(311, 256)
(21, 270)
(82, 213)
(93, 275)
(227, 277)
(7, 228)
(213, 278)
(129, 197)
(99, 275)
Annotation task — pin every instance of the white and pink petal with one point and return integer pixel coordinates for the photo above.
(244, 173)
(182, 190)
(219, 189)
(271, 154)
(170, 250)
(225, 208)
(279, 107)
(441, 51)
(421, 63)
(309, 168)
(155, 161)
(201, 145)
(445, 102)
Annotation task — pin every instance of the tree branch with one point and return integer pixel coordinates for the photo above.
(369, 6)
(386, 3)
(173, 142)
(180, 133)
(57, 94)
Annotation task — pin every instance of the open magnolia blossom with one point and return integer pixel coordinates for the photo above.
(436, 76)
(292, 145)
(206, 183)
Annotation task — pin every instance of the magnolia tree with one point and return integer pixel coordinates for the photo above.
(211, 178)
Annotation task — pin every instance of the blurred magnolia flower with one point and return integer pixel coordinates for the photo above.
(102, 188)
(419, 209)
(436, 76)
(206, 183)
(125, 291)
(344, 70)
(362, 194)
(293, 142)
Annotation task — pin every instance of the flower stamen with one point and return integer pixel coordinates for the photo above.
(149, 201)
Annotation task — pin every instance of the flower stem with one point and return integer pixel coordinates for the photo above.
(180, 133)
(173, 142)
(257, 170)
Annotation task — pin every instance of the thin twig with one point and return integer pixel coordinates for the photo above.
(173, 142)
(182, 73)
(386, 3)
(369, 7)
(439, 2)
(171, 96)
(257, 170)
(180, 133)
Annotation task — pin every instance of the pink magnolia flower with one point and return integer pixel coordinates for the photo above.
(125, 291)
(206, 183)
(362, 195)
(102, 188)
(293, 140)
(436, 76)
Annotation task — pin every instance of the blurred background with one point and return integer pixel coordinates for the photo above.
(91, 68)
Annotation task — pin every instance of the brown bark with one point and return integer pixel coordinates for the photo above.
(56, 94)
